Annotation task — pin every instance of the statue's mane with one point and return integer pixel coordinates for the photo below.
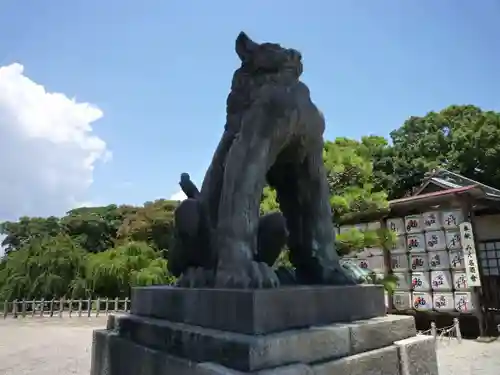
(245, 84)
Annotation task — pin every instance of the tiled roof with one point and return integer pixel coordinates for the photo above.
(450, 180)
(415, 198)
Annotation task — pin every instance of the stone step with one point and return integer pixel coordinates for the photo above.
(259, 311)
(113, 355)
(412, 356)
(256, 352)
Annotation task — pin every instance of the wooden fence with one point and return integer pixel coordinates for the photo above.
(62, 307)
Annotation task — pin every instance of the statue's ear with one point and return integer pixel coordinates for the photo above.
(244, 46)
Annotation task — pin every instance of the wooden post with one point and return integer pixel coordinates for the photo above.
(126, 304)
(433, 330)
(23, 308)
(42, 307)
(98, 307)
(477, 300)
(116, 304)
(14, 308)
(106, 306)
(51, 307)
(89, 307)
(387, 264)
(61, 307)
(456, 325)
(80, 306)
(70, 307)
(5, 309)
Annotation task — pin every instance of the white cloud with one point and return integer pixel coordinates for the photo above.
(47, 148)
(179, 196)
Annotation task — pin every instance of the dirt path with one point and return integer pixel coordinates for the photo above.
(53, 346)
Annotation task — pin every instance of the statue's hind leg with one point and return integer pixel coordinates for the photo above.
(272, 236)
(312, 248)
(190, 259)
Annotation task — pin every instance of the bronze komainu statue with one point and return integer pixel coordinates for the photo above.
(273, 133)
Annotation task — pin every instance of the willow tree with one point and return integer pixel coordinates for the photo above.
(45, 267)
(114, 272)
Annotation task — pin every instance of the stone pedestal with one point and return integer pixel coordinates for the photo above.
(289, 331)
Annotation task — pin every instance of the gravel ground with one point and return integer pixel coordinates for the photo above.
(468, 357)
(47, 346)
(50, 346)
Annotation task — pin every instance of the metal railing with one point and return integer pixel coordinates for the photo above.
(62, 307)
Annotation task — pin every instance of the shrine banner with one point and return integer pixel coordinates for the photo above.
(470, 256)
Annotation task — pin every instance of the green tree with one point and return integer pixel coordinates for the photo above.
(94, 228)
(91, 250)
(349, 168)
(354, 188)
(114, 272)
(463, 139)
(268, 201)
(354, 184)
(153, 223)
(380, 153)
(44, 267)
(19, 233)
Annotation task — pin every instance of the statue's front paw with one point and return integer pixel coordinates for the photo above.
(246, 275)
(325, 273)
(196, 277)
(335, 274)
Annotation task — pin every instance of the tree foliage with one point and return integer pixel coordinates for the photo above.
(43, 267)
(152, 223)
(463, 139)
(354, 188)
(90, 251)
(113, 272)
(349, 168)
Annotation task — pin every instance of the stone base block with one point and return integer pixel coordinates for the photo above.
(137, 345)
(418, 356)
(113, 355)
(383, 361)
(287, 331)
(412, 356)
(256, 352)
(259, 311)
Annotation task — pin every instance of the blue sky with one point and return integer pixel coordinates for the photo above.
(160, 70)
